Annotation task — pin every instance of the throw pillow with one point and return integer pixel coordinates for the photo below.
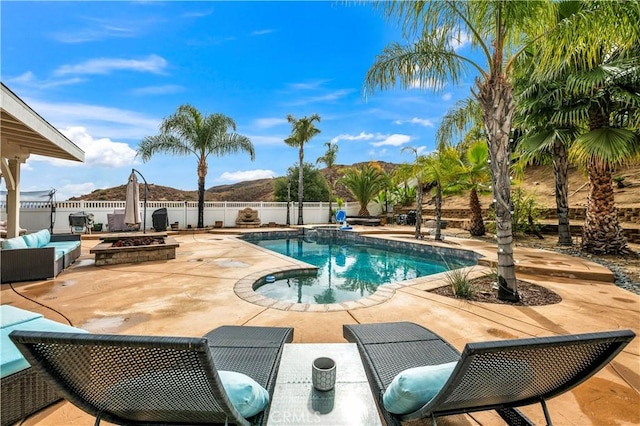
(414, 387)
(246, 395)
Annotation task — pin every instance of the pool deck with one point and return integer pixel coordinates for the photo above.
(197, 291)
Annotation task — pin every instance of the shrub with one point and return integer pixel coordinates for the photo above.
(460, 284)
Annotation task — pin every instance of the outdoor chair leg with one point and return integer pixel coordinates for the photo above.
(547, 417)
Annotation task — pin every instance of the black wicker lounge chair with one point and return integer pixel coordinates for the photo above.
(156, 380)
(498, 375)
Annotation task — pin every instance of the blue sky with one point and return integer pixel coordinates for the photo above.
(106, 73)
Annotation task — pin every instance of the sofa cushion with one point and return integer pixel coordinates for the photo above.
(31, 240)
(14, 243)
(43, 237)
(65, 246)
(11, 360)
(10, 315)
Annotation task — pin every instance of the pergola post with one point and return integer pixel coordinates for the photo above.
(13, 199)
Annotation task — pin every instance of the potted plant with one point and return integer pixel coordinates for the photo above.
(97, 227)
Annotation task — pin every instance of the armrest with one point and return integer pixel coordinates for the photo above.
(27, 264)
(65, 237)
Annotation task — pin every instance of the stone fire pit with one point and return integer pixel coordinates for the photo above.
(134, 248)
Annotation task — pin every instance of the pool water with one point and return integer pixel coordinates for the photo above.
(346, 271)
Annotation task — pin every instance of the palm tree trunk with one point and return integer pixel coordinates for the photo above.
(561, 171)
(300, 186)
(202, 173)
(602, 233)
(419, 198)
(476, 228)
(438, 236)
(495, 96)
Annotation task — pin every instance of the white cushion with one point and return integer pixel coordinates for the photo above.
(414, 387)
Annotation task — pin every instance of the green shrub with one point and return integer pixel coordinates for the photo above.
(460, 284)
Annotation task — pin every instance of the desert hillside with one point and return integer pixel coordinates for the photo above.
(538, 180)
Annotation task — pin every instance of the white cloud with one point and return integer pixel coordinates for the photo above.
(312, 85)
(246, 175)
(447, 97)
(459, 40)
(153, 64)
(102, 152)
(261, 32)
(265, 123)
(421, 149)
(260, 140)
(100, 32)
(415, 120)
(158, 90)
(428, 83)
(98, 120)
(361, 137)
(378, 139)
(74, 190)
(393, 140)
(28, 79)
(332, 96)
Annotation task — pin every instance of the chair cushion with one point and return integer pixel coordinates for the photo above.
(10, 315)
(31, 240)
(246, 395)
(414, 387)
(11, 360)
(14, 243)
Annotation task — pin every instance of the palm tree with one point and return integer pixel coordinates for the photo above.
(186, 132)
(302, 130)
(415, 171)
(364, 183)
(497, 29)
(465, 120)
(329, 160)
(475, 178)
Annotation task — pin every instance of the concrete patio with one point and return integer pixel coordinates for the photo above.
(194, 293)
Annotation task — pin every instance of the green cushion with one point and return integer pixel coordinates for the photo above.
(415, 387)
(14, 243)
(246, 395)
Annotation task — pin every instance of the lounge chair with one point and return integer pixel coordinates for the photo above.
(156, 380)
(498, 375)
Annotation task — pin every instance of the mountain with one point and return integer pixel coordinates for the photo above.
(538, 180)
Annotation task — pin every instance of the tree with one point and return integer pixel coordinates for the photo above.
(315, 186)
(415, 171)
(329, 160)
(497, 29)
(364, 183)
(186, 132)
(465, 120)
(599, 79)
(302, 130)
(475, 178)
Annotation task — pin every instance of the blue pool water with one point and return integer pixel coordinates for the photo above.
(346, 271)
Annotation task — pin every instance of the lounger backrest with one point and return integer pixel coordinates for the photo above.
(132, 379)
(513, 373)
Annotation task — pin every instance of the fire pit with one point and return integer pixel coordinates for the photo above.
(122, 248)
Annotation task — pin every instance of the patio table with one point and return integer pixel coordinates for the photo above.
(296, 402)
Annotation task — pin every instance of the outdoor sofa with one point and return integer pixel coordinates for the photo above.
(37, 256)
(137, 380)
(402, 359)
(23, 390)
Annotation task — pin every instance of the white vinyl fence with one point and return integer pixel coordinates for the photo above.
(37, 215)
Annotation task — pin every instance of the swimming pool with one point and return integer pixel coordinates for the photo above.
(347, 270)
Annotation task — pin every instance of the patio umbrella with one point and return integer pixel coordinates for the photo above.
(132, 202)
